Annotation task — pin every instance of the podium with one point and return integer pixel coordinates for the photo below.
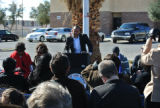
(78, 61)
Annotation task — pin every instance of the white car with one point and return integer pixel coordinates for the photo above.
(59, 34)
(102, 36)
(38, 35)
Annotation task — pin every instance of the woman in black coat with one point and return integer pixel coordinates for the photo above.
(42, 70)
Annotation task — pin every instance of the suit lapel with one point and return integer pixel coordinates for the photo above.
(72, 45)
(81, 42)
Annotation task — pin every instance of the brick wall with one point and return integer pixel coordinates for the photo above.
(106, 22)
(136, 17)
(61, 19)
(106, 19)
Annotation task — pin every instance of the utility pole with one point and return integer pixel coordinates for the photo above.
(22, 18)
(86, 17)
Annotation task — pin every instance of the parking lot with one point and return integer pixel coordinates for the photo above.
(129, 50)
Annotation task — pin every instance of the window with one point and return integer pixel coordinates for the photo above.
(7, 32)
(67, 30)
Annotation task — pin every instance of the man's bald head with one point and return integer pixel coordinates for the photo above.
(107, 68)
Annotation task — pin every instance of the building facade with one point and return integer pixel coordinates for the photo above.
(112, 14)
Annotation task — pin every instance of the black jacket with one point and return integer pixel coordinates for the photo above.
(15, 81)
(42, 70)
(83, 41)
(115, 94)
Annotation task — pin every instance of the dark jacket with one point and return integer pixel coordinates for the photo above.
(83, 41)
(124, 66)
(15, 81)
(92, 77)
(42, 70)
(115, 94)
(140, 80)
(77, 91)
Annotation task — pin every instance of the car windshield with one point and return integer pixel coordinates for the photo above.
(7, 32)
(56, 29)
(128, 26)
(40, 30)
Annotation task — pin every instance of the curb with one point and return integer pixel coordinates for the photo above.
(6, 49)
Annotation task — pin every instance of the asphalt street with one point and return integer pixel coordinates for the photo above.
(129, 50)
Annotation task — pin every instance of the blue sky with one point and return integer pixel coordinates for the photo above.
(27, 4)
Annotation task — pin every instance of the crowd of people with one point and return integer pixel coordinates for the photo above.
(46, 81)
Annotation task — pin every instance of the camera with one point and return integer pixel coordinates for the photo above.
(153, 33)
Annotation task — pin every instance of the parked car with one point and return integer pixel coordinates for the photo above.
(132, 32)
(6, 35)
(38, 35)
(59, 34)
(102, 36)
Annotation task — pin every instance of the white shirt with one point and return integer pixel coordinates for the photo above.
(77, 46)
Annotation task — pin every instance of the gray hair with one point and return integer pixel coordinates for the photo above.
(107, 68)
(50, 94)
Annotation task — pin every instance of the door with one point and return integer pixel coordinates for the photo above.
(117, 21)
(140, 31)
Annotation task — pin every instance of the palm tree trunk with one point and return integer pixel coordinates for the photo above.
(94, 37)
(77, 18)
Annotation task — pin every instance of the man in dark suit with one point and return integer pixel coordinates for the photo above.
(77, 42)
(114, 93)
(60, 66)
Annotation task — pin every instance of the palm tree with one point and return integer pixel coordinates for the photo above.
(75, 6)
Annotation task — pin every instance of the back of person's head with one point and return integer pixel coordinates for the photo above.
(41, 48)
(20, 47)
(107, 69)
(116, 50)
(60, 64)
(114, 58)
(9, 64)
(13, 96)
(50, 94)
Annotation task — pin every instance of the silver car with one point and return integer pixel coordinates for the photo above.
(59, 34)
(38, 35)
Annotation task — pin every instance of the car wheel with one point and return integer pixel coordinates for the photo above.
(114, 41)
(132, 39)
(42, 39)
(6, 40)
(102, 38)
(15, 39)
(63, 38)
(0, 39)
(30, 40)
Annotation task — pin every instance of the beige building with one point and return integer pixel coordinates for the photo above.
(112, 14)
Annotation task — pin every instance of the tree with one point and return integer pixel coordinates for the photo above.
(2, 16)
(34, 13)
(75, 6)
(42, 13)
(15, 12)
(154, 11)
